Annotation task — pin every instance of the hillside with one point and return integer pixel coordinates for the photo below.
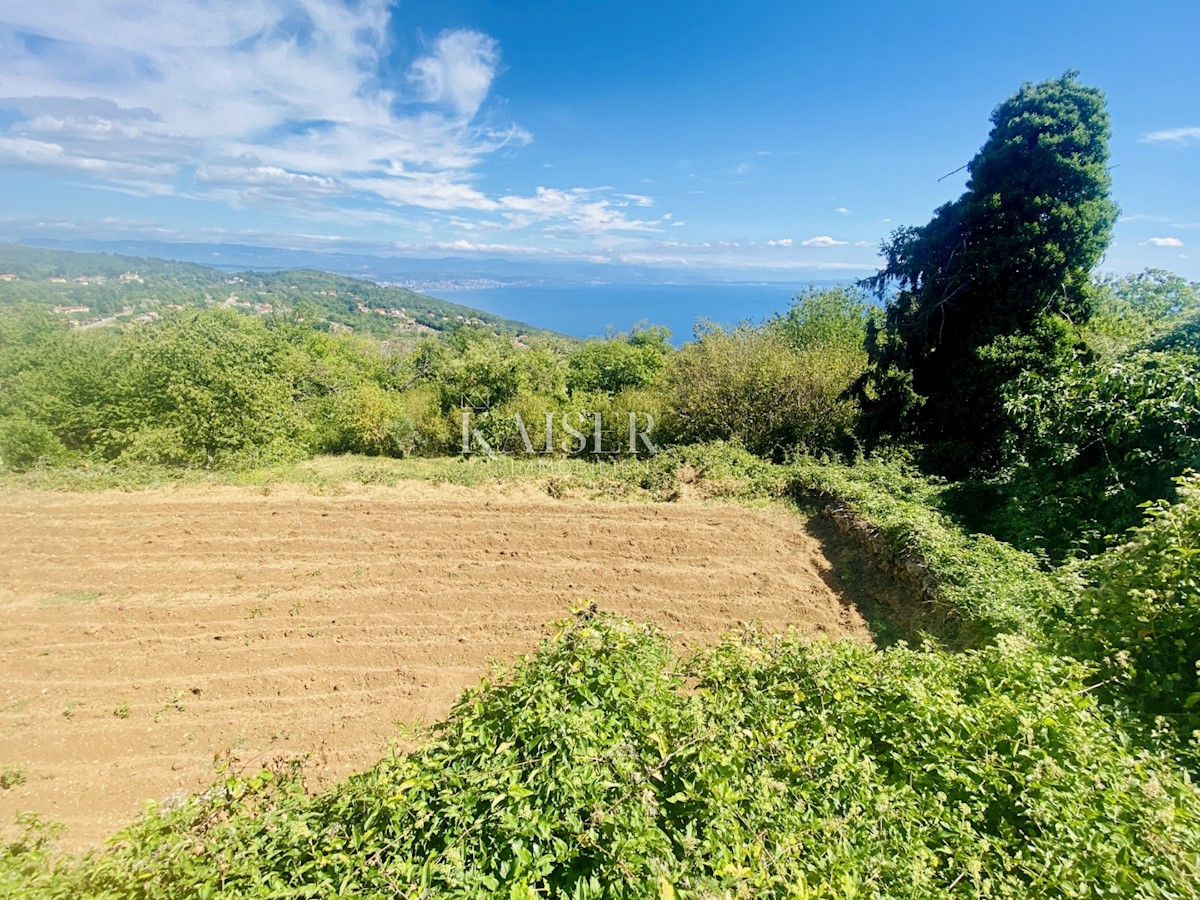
(97, 289)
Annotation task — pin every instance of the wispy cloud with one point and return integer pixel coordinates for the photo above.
(286, 102)
(458, 71)
(1163, 242)
(842, 211)
(1172, 135)
(823, 240)
(782, 242)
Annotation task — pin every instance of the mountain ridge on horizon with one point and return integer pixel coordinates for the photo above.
(111, 288)
(415, 272)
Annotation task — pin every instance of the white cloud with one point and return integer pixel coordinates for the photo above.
(578, 209)
(248, 171)
(459, 70)
(742, 168)
(1172, 135)
(463, 246)
(295, 103)
(782, 242)
(823, 240)
(1163, 242)
(841, 210)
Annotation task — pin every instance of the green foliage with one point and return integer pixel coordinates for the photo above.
(485, 370)
(11, 776)
(983, 586)
(625, 361)
(790, 769)
(25, 444)
(827, 320)
(1135, 614)
(774, 389)
(363, 418)
(1140, 309)
(1093, 442)
(211, 389)
(984, 290)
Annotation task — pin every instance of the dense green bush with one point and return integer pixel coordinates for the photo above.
(1135, 614)
(25, 444)
(626, 361)
(774, 389)
(788, 770)
(1092, 443)
(485, 370)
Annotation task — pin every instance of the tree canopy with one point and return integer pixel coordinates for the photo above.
(993, 284)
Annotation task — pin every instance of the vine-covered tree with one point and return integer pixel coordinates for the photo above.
(990, 287)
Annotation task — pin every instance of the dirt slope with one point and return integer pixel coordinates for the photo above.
(143, 634)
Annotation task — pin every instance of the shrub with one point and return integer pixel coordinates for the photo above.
(789, 769)
(753, 387)
(25, 444)
(1135, 614)
(1092, 443)
(362, 418)
(619, 363)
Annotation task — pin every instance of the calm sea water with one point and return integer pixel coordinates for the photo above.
(590, 310)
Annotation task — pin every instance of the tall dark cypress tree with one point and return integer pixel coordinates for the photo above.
(991, 285)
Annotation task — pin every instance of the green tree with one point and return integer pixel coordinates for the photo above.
(1136, 309)
(1090, 443)
(751, 386)
(831, 320)
(991, 286)
(626, 361)
(209, 388)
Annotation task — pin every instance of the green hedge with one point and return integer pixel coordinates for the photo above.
(605, 766)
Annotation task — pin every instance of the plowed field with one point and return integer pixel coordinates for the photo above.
(144, 634)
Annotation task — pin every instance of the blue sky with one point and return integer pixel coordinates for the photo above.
(782, 139)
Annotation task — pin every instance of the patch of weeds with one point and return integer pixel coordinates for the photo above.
(257, 612)
(122, 711)
(71, 598)
(294, 609)
(11, 776)
(69, 710)
(175, 702)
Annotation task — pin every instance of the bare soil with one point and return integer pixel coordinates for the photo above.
(144, 635)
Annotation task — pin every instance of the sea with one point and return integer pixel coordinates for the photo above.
(597, 310)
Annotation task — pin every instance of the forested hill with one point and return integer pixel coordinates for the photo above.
(93, 289)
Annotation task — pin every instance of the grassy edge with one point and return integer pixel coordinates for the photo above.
(979, 586)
